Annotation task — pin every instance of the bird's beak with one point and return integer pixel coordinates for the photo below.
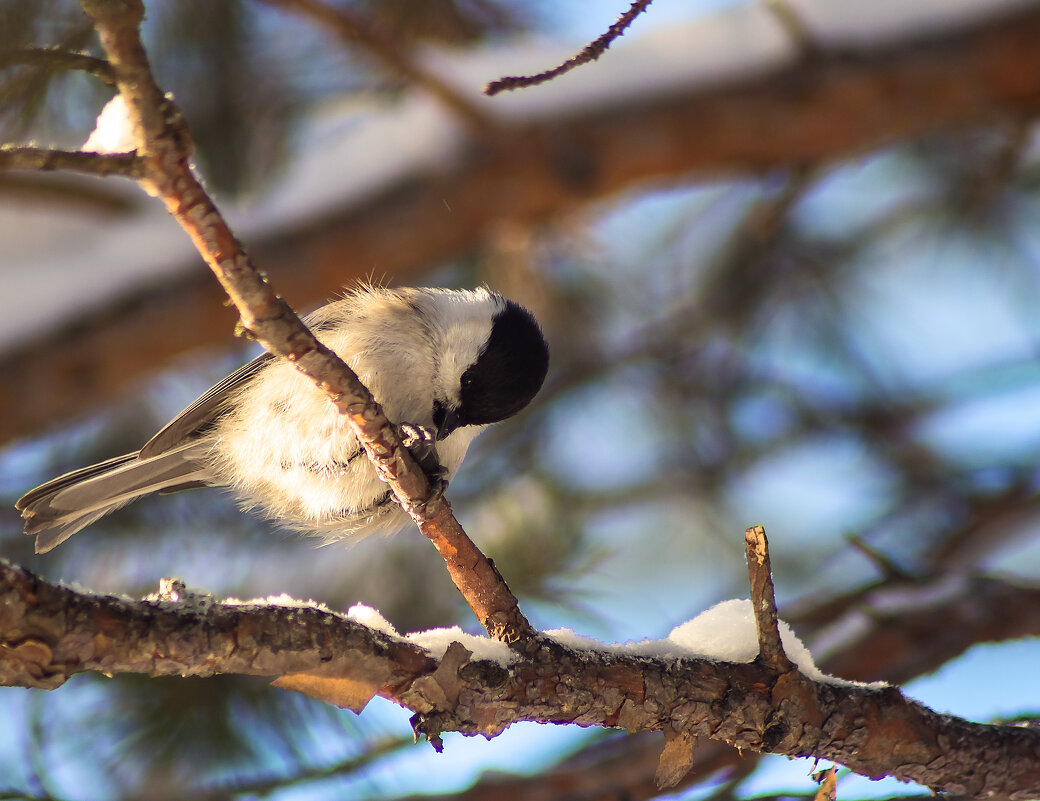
(451, 421)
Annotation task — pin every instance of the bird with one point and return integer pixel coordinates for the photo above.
(443, 363)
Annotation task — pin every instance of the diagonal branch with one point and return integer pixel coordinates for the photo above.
(165, 146)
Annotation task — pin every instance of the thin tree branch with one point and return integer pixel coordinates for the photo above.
(57, 58)
(129, 165)
(165, 145)
(828, 780)
(590, 52)
(49, 632)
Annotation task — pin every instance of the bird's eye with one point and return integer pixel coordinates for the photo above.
(467, 378)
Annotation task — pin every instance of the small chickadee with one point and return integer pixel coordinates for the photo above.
(443, 362)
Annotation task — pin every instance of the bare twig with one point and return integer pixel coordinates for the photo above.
(165, 145)
(57, 58)
(590, 52)
(763, 599)
(129, 165)
(676, 759)
(352, 28)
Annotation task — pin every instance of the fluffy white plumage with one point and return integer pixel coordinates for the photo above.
(285, 448)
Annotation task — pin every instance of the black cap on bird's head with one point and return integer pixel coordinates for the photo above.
(509, 370)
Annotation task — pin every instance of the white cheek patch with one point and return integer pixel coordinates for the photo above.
(463, 332)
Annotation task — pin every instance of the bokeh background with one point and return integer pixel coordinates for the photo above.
(754, 316)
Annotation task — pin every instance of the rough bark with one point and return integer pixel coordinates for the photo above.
(902, 629)
(48, 633)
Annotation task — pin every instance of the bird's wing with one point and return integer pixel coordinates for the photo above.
(197, 416)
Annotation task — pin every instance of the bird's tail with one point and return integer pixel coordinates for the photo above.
(56, 510)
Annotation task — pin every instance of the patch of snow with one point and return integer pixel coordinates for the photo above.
(373, 619)
(859, 621)
(81, 268)
(282, 599)
(839, 635)
(346, 156)
(113, 132)
(436, 642)
(724, 633)
(918, 596)
(574, 641)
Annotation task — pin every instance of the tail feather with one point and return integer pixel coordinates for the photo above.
(58, 509)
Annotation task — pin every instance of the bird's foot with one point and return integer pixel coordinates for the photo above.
(421, 442)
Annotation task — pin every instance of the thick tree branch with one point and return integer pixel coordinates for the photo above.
(822, 109)
(48, 633)
(165, 146)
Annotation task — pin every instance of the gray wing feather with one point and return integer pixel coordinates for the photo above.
(198, 415)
